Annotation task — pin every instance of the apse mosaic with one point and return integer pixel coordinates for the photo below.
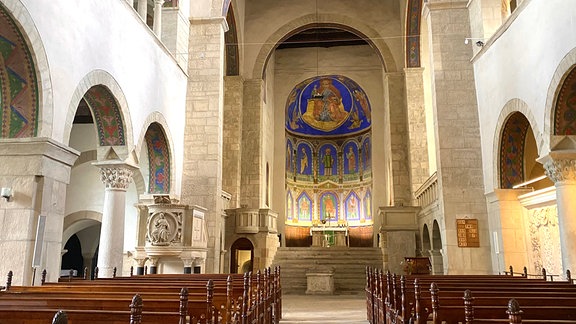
(366, 157)
(327, 105)
(289, 206)
(565, 112)
(351, 163)
(368, 205)
(328, 163)
(304, 162)
(289, 157)
(512, 151)
(159, 160)
(107, 116)
(352, 204)
(18, 83)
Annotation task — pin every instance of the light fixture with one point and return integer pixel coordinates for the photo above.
(523, 184)
(6, 193)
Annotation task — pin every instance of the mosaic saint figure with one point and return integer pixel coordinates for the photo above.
(303, 161)
(328, 162)
(351, 156)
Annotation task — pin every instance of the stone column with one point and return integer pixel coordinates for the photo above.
(140, 266)
(158, 18)
(143, 9)
(419, 168)
(153, 265)
(561, 168)
(460, 179)
(187, 265)
(203, 137)
(233, 97)
(117, 176)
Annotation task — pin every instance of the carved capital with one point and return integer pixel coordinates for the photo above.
(561, 170)
(116, 177)
(153, 262)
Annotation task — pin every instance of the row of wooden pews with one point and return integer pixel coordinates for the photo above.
(159, 298)
(468, 299)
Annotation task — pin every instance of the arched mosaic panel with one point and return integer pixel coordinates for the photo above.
(328, 163)
(351, 158)
(352, 206)
(565, 110)
(512, 151)
(304, 207)
(107, 116)
(289, 157)
(158, 159)
(368, 205)
(289, 206)
(18, 83)
(329, 206)
(304, 159)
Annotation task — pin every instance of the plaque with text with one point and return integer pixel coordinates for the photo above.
(467, 230)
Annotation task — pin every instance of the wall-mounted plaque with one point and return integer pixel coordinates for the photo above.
(467, 231)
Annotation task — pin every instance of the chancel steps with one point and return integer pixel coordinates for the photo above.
(349, 266)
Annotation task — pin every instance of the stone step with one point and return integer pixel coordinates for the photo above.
(349, 266)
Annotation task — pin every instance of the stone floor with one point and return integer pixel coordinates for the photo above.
(350, 309)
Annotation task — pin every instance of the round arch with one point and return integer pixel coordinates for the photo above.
(562, 71)
(19, 15)
(158, 119)
(324, 20)
(426, 243)
(512, 106)
(100, 78)
(78, 221)
(436, 236)
(241, 256)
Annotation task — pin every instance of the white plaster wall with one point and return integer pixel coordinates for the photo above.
(264, 17)
(520, 63)
(108, 35)
(83, 137)
(292, 66)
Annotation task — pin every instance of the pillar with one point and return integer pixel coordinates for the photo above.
(458, 147)
(561, 168)
(157, 28)
(417, 139)
(203, 136)
(143, 9)
(252, 135)
(153, 265)
(117, 177)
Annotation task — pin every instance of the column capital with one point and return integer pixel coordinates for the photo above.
(560, 167)
(115, 175)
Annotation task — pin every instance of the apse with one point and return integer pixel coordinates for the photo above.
(328, 160)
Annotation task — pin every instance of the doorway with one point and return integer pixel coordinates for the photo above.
(242, 254)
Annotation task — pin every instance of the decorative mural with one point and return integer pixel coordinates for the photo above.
(289, 206)
(328, 159)
(19, 106)
(289, 157)
(368, 206)
(106, 116)
(512, 151)
(304, 208)
(414, 14)
(327, 105)
(328, 207)
(352, 206)
(159, 160)
(565, 110)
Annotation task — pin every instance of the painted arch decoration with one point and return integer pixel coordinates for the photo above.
(19, 108)
(328, 105)
(512, 151)
(158, 160)
(565, 110)
(107, 116)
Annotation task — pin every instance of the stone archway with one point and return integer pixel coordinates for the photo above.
(241, 256)
(436, 257)
(159, 160)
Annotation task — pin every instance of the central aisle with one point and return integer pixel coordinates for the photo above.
(350, 309)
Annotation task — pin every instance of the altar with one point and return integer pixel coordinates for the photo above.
(326, 236)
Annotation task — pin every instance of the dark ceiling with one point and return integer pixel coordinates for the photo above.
(322, 37)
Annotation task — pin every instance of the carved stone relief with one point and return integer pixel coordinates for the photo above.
(164, 228)
(545, 240)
